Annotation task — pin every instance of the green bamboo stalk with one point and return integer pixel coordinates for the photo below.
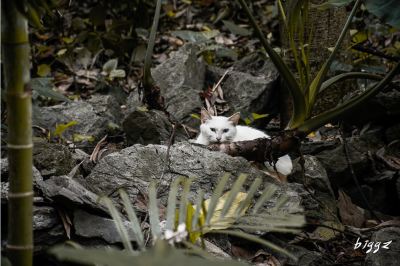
(15, 49)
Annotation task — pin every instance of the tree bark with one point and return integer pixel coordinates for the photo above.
(15, 49)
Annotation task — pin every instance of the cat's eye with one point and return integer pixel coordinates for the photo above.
(226, 130)
(212, 129)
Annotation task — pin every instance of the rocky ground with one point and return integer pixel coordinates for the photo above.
(66, 199)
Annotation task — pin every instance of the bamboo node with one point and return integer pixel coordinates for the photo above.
(20, 247)
(20, 195)
(19, 147)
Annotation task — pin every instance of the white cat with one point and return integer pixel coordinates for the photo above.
(219, 129)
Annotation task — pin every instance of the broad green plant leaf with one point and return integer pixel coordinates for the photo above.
(113, 126)
(117, 73)
(78, 23)
(44, 87)
(60, 128)
(191, 36)
(139, 54)
(361, 36)
(97, 15)
(77, 137)
(210, 33)
(387, 10)
(118, 94)
(236, 29)
(337, 65)
(67, 40)
(43, 70)
(110, 65)
(84, 57)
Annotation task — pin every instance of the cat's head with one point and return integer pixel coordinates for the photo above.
(218, 129)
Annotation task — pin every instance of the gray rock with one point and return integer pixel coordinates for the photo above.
(393, 133)
(316, 179)
(214, 250)
(45, 217)
(178, 78)
(5, 187)
(71, 194)
(375, 110)
(52, 159)
(88, 225)
(389, 256)
(373, 129)
(252, 85)
(366, 143)
(149, 127)
(140, 164)
(45, 239)
(132, 102)
(314, 147)
(92, 116)
(337, 167)
(5, 170)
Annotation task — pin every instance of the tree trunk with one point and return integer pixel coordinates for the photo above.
(15, 49)
(328, 25)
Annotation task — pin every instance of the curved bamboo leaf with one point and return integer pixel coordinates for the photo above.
(171, 204)
(232, 194)
(316, 84)
(183, 208)
(196, 216)
(215, 197)
(337, 112)
(249, 196)
(147, 78)
(266, 195)
(354, 75)
(257, 240)
(137, 231)
(153, 210)
(119, 224)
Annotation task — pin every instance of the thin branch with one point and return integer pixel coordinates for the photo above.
(166, 159)
(344, 143)
(390, 57)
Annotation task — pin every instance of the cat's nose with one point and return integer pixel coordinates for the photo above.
(218, 139)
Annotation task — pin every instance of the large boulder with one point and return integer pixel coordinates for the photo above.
(93, 116)
(316, 180)
(134, 167)
(179, 78)
(384, 253)
(252, 84)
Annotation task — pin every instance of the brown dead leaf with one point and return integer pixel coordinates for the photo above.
(349, 212)
(65, 219)
(242, 253)
(260, 256)
(143, 200)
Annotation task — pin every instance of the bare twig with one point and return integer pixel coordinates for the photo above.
(166, 159)
(344, 143)
(219, 82)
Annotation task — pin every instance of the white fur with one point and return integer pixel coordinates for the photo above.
(236, 133)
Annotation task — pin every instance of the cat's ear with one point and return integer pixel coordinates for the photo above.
(205, 116)
(234, 119)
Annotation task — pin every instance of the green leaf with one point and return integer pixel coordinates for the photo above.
(135, 225)
(97, 15)
(191, 36)
(257, 116)
(78, 23)
(183, 210)
(153, 209)
(42, 48)
(81, 36)
(361, 36)
(250, 194)
(139, 54)
(110, 65)
(373, 69)
(171, 204)
(331, 4)
(210, 33)
(95, 45)
(43, 70)
(232, 194)
(60, 128)
(387, 10)
(266, 195)
(84, 57)
(77, 137)
(44, 87)
(236, 29)
(117, 73)
(119, 225)
(67, 40)
(215, 197)
(379, 29)
(37, 115)
(113, 126)
(144, 109)
(228, 53)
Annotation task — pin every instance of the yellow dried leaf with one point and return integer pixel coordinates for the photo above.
(142, 109)
(195, 116)
(43, 70)
(311, 135)
(257, 116)
(327, 233)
